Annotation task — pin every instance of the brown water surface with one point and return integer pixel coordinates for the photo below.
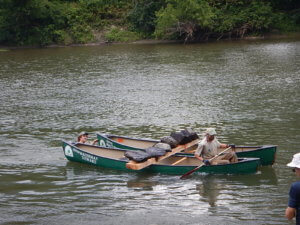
(249, 91)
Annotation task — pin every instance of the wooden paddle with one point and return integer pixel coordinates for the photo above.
(198, 167)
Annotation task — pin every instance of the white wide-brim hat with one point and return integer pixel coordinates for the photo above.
(210, 131)
(295, 161)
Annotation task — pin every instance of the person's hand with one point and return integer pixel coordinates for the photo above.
(231, 145)
(206, 162)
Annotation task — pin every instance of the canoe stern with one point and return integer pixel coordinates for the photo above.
(266, 153)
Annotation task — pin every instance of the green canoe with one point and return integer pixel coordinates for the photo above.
(113, 158)
(266, 153)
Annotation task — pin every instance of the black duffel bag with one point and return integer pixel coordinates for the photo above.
(169, 140)
(164, 146)
(178, 136)
(137, 156)
(193, 135)
(155, 152)
(188, 136)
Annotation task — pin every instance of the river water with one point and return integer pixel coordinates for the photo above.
(248, 90)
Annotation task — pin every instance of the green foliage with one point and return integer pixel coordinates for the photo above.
(120, 35)
(287, 23)
(94, 14)
(30, 22)
(240, 18)
(62, 37)
(285, 4)
(44, 22)
(259, 15)
(143, 17)
(183, 18)
(105, 12)
(166, 22)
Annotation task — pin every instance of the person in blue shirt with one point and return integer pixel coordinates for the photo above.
(293, 209)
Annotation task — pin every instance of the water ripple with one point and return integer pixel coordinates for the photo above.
(248, 91)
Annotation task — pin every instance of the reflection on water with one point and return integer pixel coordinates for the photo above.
(248, 91)
(213, 185)
(142, 181)
(209, 190)
(265, 176)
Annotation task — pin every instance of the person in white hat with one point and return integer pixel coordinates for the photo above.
(293, 209)
(83, 138)
(208, 148)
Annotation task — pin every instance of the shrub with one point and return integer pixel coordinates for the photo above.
(30, 21)
(241, 18)
(62, 37)
(120, 35)
(287, 23)
(143, 16)
(183, 18)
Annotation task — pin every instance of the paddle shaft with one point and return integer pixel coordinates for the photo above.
(198, 167)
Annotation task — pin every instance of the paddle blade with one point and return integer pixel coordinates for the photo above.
(193, 170)
(190, 172)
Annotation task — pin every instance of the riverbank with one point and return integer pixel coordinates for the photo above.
(267, 36)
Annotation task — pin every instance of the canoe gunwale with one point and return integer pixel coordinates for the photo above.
(109, 136)
(261, 147)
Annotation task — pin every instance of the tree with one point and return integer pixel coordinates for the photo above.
(143, 16)
(183, 18)
(30, 22)
(240, 18)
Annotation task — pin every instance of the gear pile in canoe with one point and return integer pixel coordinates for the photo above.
(169, 145)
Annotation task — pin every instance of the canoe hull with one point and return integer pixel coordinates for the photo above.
(266, 153)
(248, 165)
(75, 154)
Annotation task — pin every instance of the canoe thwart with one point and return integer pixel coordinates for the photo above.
(179, 161)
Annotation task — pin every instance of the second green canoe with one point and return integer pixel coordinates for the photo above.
(266, 153)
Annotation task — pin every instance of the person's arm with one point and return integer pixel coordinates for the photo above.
(198, 157)
(290, 213)
(224, 146)
(227, 145)
(199, 151)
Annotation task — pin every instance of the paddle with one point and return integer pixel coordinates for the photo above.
(198, 167)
